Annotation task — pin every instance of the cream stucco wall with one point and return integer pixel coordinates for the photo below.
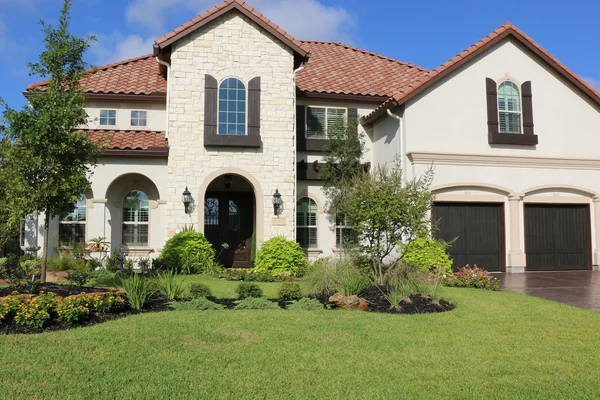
(155, 115)
(451, 116)
(232, 46)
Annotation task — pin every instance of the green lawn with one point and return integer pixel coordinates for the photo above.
(226, 289)
(494, 345)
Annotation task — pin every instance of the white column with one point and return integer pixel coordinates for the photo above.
(516, 255)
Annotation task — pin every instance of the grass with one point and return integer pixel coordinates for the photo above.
(494, 345)
(226, 289)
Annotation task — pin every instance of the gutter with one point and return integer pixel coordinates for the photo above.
(168, 66)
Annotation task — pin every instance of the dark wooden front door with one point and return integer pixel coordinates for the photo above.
(228, 219)
(557, 237)
(479, 232)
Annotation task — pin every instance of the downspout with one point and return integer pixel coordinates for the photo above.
(294, 216)
(168, 66)
(401, 142)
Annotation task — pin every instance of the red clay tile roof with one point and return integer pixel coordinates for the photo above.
(407, 92)
(337, 68)
(128, 140)
(223, 8)
(138, 75)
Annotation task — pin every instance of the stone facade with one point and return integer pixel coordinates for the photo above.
(232, 46)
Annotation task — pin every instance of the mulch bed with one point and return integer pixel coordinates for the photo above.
(417, 303)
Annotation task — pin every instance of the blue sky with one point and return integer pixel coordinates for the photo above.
(425, 33)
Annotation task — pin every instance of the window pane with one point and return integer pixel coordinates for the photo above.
(69, 234)
(336, 118)
(315, 123)
(509, 106)
(79, 211)
(108, 117)
(135, 207)
(135, 235)
(232, 107)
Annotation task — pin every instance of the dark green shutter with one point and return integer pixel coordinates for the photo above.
(211, 88)
(254, 107)
(527, 100)
(492, 105)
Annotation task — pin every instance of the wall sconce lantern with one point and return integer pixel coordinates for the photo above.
(187, 199)
(277, 203)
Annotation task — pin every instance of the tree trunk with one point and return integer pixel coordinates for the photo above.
(45, 246)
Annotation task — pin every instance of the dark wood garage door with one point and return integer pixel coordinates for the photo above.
(479, 232)
(557, 237)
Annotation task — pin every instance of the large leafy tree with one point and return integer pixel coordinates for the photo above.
(47, 161)
(387, 213)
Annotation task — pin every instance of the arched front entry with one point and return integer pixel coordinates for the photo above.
(229, 219)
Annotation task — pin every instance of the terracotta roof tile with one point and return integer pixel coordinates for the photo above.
(128, 140)
(338, 68)
(138, 75)
(505, 30)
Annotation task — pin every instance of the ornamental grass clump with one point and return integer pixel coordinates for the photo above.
(138, 290)
(170, 284)
(331, 275)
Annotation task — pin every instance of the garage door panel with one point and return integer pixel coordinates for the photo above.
(557, 237)
(477, 230)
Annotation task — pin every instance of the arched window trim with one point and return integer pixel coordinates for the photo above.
(138, 222)
(306, 227)
(72, 228)
(223, 126)
(513, 119)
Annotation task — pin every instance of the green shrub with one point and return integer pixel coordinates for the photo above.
(112, 262)
(170, 285)
(78, 278)
(104, 303)
(427, 254)
(199, 290)
(472, 278)
(4, 308)
(74, 308)
(65, 262)
(306, 304)
(247, 289)
(200, 304)
(187, 249)
(138, 290)
(290, 291)
(328, 275)
(256, 303)
(102, 277)
(280, 256)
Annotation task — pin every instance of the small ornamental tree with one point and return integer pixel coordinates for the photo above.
(47, 160)
(385, 213)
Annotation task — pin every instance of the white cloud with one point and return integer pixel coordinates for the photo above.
(117, 47)
(594, 82)
(303, 19)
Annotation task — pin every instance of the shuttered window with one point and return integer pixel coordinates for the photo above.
(321, 120)
(71, 229)
(509, 108)
(232, 107)
(306, 223)
(136, 211)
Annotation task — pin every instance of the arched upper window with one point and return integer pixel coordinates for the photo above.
(232, 107)
(71, 229)
(509, 107)
(136, 210)
(306, 223)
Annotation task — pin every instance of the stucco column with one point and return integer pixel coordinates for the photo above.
(516, 256)
(596, 256)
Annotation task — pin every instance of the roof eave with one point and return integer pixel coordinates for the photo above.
(378, 114)
(161, 45)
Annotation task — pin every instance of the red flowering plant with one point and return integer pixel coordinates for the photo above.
(474, 277)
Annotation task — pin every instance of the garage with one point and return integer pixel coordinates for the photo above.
(557, 237)
(479, 232)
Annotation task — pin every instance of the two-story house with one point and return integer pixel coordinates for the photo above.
(235, 110)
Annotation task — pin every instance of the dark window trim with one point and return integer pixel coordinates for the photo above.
(304, 144)
(232, 141)
(512, 138)
(310, 171)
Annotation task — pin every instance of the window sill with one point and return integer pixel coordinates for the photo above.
(512, 138)
(304, 144)
(232, 141)
(313, 252)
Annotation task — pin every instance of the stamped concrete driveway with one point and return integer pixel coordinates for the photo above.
(576, 288)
